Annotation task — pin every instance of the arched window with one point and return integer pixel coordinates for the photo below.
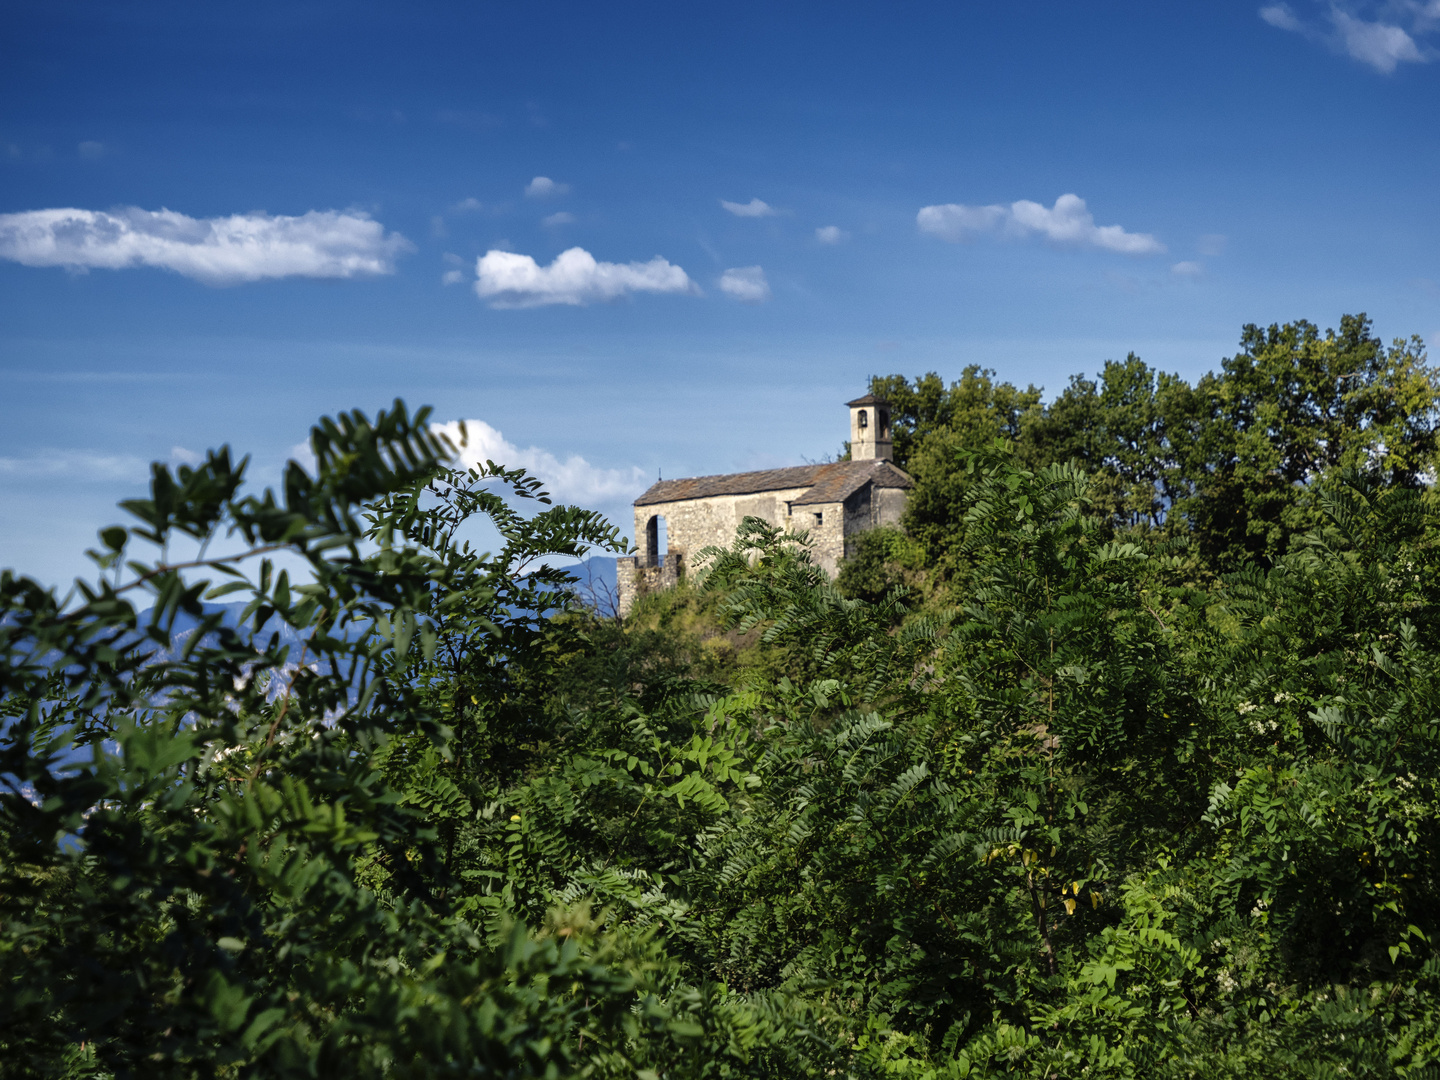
(864, 419)
(655, 541)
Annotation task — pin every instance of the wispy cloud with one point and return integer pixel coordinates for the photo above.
(753, 208)
(1211, 244)
(507, 279)
(1280, 15)
(217, 251)
(745, 283)
(1187, 269)
(831, 234)
(542, 187)
(90, 149)
(468, 204)
(1068, 223)
(564, 217)
(1375, 42)
(571, 479)
(76, 464)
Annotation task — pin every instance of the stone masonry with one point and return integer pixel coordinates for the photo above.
(832, 503)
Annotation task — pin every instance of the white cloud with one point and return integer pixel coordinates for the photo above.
(451, 277)
(1187, 269)
(542, 187)
(1068, 223)
(1383, 46)
(1280, 15)
(469, 204)
(754, 208)
(745, 283)
(217, 251)
(831, 234)
(954, 222)
(572, 480)
(510, 280)
(562, 218)
(90, 149)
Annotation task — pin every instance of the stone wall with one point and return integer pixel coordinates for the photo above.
(889, 505)
(634, 579)
(859, 516)
(825, 523)
(695, 524)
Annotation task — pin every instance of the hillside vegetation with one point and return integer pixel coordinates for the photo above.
(1119, 760)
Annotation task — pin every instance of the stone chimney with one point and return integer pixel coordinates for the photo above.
(869, 429)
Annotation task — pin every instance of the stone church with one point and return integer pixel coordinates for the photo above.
(832, 503)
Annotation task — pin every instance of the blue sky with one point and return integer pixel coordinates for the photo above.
(219, 221)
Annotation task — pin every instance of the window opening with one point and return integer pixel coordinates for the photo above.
(864, 420)
(656, 541)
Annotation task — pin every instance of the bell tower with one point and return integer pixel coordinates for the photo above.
(869, 429)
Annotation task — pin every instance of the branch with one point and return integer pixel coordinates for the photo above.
(1153, 612)
(165, 568)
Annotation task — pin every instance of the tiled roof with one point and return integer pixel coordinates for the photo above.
(833, 482)
(839, 485)
(868, 399)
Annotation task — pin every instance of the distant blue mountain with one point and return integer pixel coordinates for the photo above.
(596, 575)
(598, 588)
(598, 570)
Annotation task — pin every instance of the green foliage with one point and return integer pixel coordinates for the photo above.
(1233, 464)
(883, 559)
(1120, 760)
(232, 851)
(1291, 408)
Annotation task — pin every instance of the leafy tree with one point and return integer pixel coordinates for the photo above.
(213, 861)
(1291, 409)
(973, 405)
(1233, 465)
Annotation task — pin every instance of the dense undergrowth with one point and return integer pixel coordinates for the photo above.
(1047, 784)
